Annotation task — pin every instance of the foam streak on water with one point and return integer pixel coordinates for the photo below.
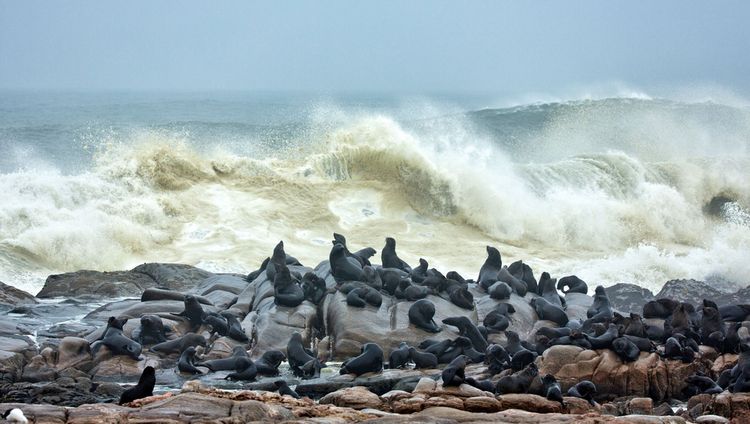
(613, 190)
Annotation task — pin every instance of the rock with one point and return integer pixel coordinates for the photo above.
(275, 324)
(13, 296)
(187, 406)
(122, 368)
(97, 413)
(529, 402)
(640, 406)
(173, 276)
(628, 298)
(482, 404)
(690, 291)
(353, 397)
(95, 284)
(735, 406)
(711, 419)
(48, 414)
(378, 383)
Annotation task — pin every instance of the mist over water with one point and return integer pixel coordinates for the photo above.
(613, 189)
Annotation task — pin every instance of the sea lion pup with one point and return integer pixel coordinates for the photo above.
(225, 364)
(552, 389)
(372, 278)
(437, 348)
(679, 321)
(460, 296)
(660, 308)
(605, 340)
(314, 288)
(488, 272)
(390, 259)
(495, 321)
(245, 370)
(255, 274)
(343, 267)
(152, 331)
(399, 357)
(370, 360)
(499, 291)
(625, 349)
(419, 273)
(235, 328)
(518, 382)
(548, 311)
(521, 359)
(286, 291)
(412, 292)
(186, 363)
(354, 299)
(675, 348)
(467, 329)
(422, 359)
(391, 278)
(193, 312)
(144, 388)
(585, 389)
(704, 384)
(283, 388)
(517, 285)
(734, 313)
(524, 273)
(421, 314)
(513, 344)
(601, 309)
(453, 374)
(549, 293)
(573, 285)
(118, 344)
(268, 363)
(218, 323)
(496, 359)
(179, 344)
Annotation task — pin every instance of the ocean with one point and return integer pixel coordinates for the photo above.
(624, 189)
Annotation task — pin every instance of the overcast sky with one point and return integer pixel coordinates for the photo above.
(376, 46)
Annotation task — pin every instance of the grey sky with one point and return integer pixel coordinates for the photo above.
(409, 46)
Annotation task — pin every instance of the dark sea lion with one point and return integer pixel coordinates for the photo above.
(193, 312)
(372, 296)
(601, 308)
(314, 288)
(674, 349)
(548, 311)
(255, 274)
(467, 329)
(235, 328)
(553, 333)
(604, 341)
(518, 382)
(354, 298)
(218, 323)
(711, 323)
(552, 389)
(438, 348)
(370, 360)
(279, 258)
(283, 388)
(399, 356)
(286, 291)
(268, 363)
(372, 277)
(455, 276)
(573, 285)
(245, 370)
(422, 359)
(584, 389)
(734, 313)
(179, 344)
(421, 314)
(453, 374)
(225, 364)
(118, 344)
(635, 326)
(496, 321)
(390, 259)
(153, 293)
(362, 255)
(542, 280)
(413, 292)
(144, 388)
(438, 284)
(660, 308)
(524, 273)
(365, 254)
(461, 297)
(152, 330)
(496, 358)
(186, 363)
(311, 369)
(514, 342)
(343, 267)
(419, 273)
(707, 303)
(499, 291)
(485, 385)
(517, 285)
(113, 322)
(391, 278)
(704, 384)
(576, 338)
(679, 321)
(296, 354)
(625, 349)
(549, 293)
(644, 344)
(521, 359)
(457, 348)
(490, 268)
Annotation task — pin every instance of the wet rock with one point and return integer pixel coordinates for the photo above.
(353, 397)
(178, 277)
(529, 402)
(13, 296)
(95, 284)
(274, 325)
(691, 291)
(628, 298)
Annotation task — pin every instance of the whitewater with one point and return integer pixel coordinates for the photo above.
(625, 189)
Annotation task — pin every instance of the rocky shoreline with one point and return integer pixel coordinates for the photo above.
(48, 369)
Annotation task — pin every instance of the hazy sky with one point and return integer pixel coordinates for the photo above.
(405, 46)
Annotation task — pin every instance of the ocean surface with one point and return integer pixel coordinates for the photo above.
(631, 188)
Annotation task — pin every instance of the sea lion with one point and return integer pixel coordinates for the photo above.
(245, 370)
(573, 284)
(286, 291)
(419, 273)
(279, 258)
(296, 353)
(485, 385)
(625, 349)
(679, 321)
(362, 255)
(179, 344)
(704, 384)
(453, 374)
(354, 299)
(118, 344)
(370, 360)
(255, 274)
(372, 278)
(467, 329)
(496, 321)
(521, 359)
(437, 348)
(548, 311)
(343, 267)
(391, 278)
(642, 343)
(635, 326)
(712, 329)
(604, 341)
(390, 259)
(421, 314)
(218, 323)
(549, 293)
(660, 308)
(283, 388)
(186, 363)
(457, 348)
(552, 389)
(518, 382)
(513, 342)
(144, 388)
(235, 328)
(553, 333)
(399, 356)
(314, 288)
(496, 359)
(499, 291)
(152, 330)
(225, 364)
(584, 389)
(524, 273)
(268, 363)
(193, 312)
(422, 359)
(734, 313)
(461, 297)
(601, 309)
(517, 285)
(489, 270)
